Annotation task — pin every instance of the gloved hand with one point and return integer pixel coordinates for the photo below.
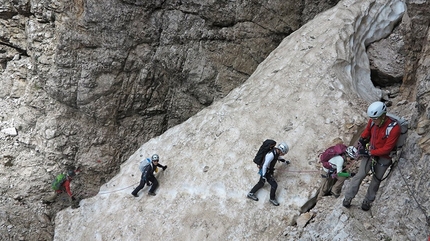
(73, 198)
(363, 152)
(287, 162)
(363, 142)
(352, 174)
(334, 176)
(164, 168)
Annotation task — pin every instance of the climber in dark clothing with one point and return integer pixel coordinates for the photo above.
(148, 176)
(267, 173)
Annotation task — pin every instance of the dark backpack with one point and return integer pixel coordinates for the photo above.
(265, 148)
(58, 181)
(330, 152)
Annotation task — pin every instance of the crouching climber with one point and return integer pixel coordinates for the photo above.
(334, 175)
(61, 184)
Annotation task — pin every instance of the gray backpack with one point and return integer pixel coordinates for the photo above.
(403, 123)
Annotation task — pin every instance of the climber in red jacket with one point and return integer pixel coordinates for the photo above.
(374, 149)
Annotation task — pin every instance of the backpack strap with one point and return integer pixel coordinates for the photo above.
(390, 127)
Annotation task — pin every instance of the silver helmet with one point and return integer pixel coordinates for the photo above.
(351, 151)
(155, 157)
(284, 148)
(376, 109)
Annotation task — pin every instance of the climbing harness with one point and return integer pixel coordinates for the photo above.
(375, 162)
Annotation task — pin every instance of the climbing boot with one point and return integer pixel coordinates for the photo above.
(347, 202)
(252, 196)
(334, 194)
(274, 202)
(365, 205)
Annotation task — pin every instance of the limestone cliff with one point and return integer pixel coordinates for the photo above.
(85, 84)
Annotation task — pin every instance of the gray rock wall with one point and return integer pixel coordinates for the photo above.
(84, 84)
(212, 204)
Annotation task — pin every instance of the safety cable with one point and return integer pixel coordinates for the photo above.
(301, 171)
(107, 192)
(413, 196)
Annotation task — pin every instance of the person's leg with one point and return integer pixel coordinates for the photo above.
(154, 185)
(273, 186)
(51, 198)
(354, 185)
(138, 188)
(325, 188)
(260, 184)
(379, 170)
(257, 186)
(337, 186)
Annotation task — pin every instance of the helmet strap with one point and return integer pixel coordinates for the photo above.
(382, 120)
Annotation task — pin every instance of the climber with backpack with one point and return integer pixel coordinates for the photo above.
(147, 177)
(334, 159)
(61, 184)
(374, 148)
(266, 165)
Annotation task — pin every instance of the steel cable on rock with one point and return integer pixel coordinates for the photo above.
(117, 190)
(413, 196)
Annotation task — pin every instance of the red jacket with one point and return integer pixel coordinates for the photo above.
(66, 187)
(380, 145)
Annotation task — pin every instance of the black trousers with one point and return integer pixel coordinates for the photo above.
(142, 183)
(273, 185)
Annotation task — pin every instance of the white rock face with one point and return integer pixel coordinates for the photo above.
(313, 88)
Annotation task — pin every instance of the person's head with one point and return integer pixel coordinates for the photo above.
(283, 148)
(351, 152)
(155, 158)
(71, 173)
(377, 111)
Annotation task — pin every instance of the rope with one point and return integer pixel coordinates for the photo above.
(300, 171)
(118, 189)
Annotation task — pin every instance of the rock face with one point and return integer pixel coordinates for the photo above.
(314, 84)
(84, 84)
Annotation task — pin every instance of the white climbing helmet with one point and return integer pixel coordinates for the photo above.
(376, 109)
(351, 151)
(155, 157)
(283, 147)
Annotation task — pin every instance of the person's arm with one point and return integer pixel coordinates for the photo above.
(164, 167)
(366, 133)
(344, 174)
(66, 185)
(267, 160)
